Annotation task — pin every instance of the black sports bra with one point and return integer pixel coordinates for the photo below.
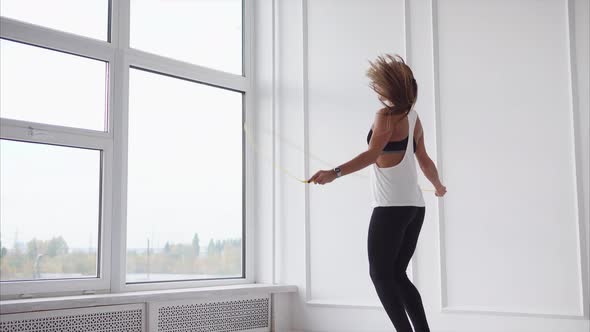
(393, 145)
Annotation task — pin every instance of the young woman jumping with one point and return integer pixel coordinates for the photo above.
(397, 202)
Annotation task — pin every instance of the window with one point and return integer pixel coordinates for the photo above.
(184, 208)
(122, 160)
(50, 198)
(204, 32)
(45, 86)
(87, 18)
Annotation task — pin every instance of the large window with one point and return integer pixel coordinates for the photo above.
(121, 145)
(184, 208)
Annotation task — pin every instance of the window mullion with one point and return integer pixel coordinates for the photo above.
(119, 83)
(27, 127)
(180, 69)
(34, 134)
(56, 40)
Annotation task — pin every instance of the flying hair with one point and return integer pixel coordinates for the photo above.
(392, 79)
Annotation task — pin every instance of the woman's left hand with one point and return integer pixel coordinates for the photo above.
(322, 177)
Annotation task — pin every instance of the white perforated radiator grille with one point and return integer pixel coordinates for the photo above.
(128, 318)
(238, 313)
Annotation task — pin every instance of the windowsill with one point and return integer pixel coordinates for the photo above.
(78, 301)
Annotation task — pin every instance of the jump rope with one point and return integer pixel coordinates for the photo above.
(252, 143)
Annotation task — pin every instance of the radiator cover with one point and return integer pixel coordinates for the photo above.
(228, 314)
(117, 318)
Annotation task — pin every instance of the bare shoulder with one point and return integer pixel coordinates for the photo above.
(381, 120)
(382, 113)
(418, 130)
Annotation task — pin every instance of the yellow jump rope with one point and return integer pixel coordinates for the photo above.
(252, 143)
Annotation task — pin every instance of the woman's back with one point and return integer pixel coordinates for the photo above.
(394, 179)
(397, 142)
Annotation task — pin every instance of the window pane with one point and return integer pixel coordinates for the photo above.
(46, 86)
(88, 18)
(50, 199)
(184, 197)
(203, 32)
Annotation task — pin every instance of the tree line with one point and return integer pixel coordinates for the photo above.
(54, 256)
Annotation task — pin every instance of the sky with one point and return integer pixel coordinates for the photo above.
(185, 138)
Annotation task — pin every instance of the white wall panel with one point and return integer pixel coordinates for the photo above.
(580, 68)
(507, 149)
(496, 105)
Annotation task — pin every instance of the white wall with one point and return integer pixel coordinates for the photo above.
(503, 97)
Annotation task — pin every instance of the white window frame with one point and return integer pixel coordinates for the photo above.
(120, 57)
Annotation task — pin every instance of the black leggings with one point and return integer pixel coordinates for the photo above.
(393, 233)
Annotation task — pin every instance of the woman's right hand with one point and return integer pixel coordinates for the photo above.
(440, 191)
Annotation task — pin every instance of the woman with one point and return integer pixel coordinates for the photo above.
(398, 205)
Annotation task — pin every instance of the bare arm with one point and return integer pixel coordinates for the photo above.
(426, 164)
(381, 132)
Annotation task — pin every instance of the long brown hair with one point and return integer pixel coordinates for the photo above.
(395, 82)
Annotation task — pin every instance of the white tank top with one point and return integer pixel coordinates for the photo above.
(398, 185)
